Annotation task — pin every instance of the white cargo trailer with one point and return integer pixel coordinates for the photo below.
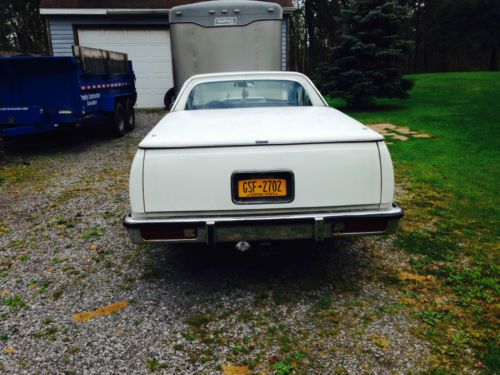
(224, 36)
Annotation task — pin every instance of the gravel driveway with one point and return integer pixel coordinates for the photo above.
(299, 308)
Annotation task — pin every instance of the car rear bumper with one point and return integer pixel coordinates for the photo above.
(315, 226)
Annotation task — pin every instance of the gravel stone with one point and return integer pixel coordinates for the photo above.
(63, 250)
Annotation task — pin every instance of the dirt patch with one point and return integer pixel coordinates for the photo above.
(401, 133)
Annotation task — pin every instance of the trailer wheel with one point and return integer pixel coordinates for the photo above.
(129, 115)
(169, 98)
(118, 125)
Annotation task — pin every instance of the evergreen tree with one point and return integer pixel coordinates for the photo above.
(372, 45)
(21, 27)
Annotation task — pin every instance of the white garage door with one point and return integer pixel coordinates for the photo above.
(149, 51)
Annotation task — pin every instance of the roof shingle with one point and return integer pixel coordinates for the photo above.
(129, 4)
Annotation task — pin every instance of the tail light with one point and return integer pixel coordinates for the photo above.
(359, 226)
(168, 232)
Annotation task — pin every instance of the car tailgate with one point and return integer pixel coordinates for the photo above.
(199, 179)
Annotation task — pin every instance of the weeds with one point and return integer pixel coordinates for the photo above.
(199, 320)
(93, 233)
(491, 357)
(49, 332)
(56, 261)
(432, 318)
(14, 302)
(323, 303)
(282, 368)
(153, 364)
(64, 222)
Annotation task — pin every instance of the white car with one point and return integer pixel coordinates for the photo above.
(258, 156)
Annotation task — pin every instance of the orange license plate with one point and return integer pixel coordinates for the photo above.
(262, 187)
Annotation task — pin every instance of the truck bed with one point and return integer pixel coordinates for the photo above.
(41, 94)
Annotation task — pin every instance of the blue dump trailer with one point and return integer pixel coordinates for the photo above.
(44, 94)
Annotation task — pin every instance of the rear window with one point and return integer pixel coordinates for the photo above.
(246, 94)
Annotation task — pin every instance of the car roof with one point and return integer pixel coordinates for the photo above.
(248, 74)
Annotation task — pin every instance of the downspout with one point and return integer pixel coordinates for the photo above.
(49, 35)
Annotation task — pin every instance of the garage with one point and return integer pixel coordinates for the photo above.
(149, 50)
(138, 28)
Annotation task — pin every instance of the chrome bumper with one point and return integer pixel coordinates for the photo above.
(316, 226)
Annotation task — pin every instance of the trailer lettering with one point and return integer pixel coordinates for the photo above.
(91, 99)
(14, 109)
(225, 21)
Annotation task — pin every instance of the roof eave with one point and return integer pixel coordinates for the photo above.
(116, 11)
(99, 11)
(289, 9)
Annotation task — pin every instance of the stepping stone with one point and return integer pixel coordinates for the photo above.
(391, 130)
(398, 136)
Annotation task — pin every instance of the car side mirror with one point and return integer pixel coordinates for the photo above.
(169, 98)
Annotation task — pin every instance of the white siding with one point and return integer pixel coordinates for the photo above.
(62, 38)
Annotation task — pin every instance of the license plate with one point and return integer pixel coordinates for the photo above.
(262, 187)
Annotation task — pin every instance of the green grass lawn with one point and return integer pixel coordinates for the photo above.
(451, 201)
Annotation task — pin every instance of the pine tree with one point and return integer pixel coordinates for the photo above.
(21, 27)
(372, 45)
